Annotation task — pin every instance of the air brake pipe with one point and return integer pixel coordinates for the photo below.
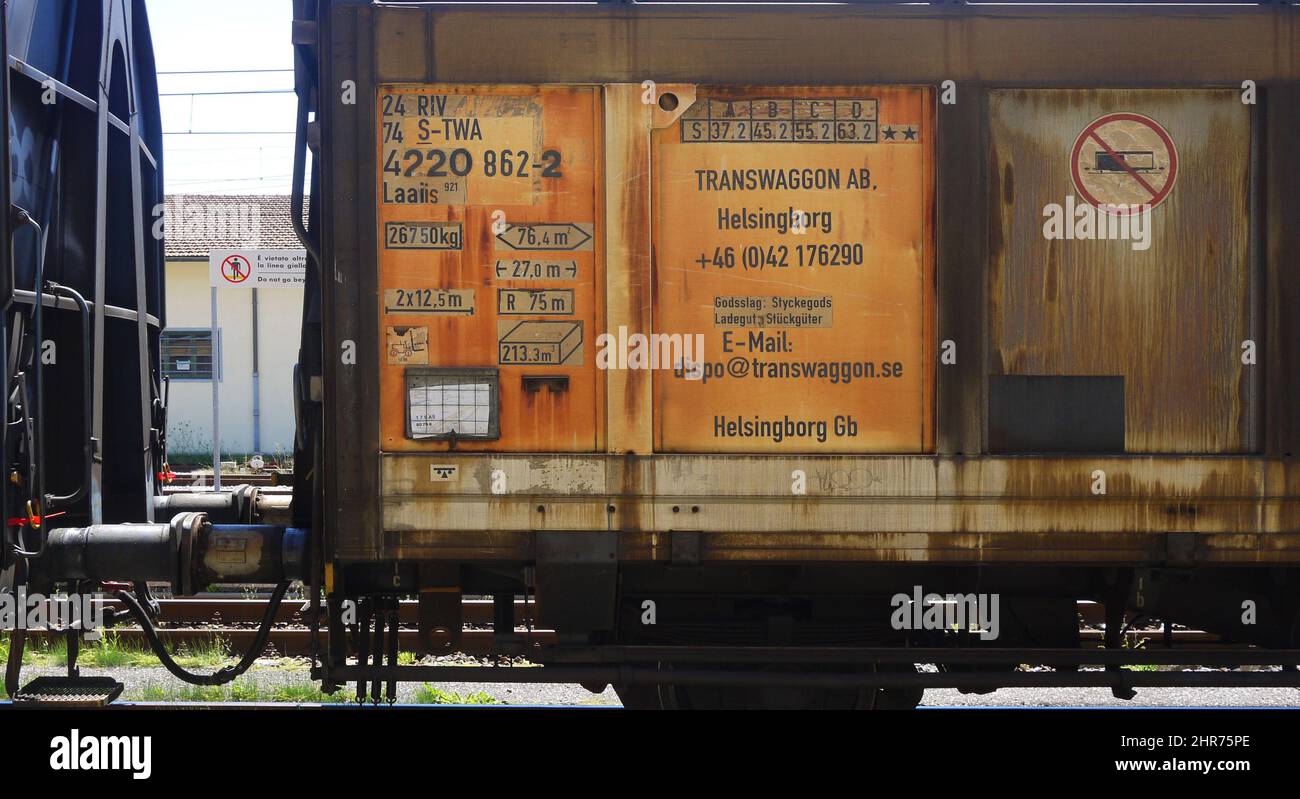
(242, 505)
(188, 553)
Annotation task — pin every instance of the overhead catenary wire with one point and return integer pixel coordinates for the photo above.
(231, 92)
(228, 132)
(205, 148)
(204, 181)
(221, 71)
(258, 182)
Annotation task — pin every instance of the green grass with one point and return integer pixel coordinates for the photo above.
(178, 693)
(306, 692)
(1141, 644)
(243, 689)
(428, 695)
(110, 651)
(209, 653)
(45, 651)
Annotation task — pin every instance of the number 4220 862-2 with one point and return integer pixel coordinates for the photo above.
(460, 162)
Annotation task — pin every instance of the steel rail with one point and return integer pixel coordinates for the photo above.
(628, 675)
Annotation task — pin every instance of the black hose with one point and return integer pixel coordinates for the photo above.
(222, 676)
(14, 666)
(18, 638)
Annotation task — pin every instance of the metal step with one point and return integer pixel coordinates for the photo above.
(69, 692)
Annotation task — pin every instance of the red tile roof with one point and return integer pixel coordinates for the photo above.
(198, 223)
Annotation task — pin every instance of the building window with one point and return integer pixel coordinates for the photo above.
(187, 354)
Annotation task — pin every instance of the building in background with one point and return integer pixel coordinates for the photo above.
(257, 332)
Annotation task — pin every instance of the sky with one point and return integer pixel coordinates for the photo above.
(227, 35)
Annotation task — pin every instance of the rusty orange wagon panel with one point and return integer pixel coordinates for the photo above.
(489, 262)
(793, 245)
(958, 283)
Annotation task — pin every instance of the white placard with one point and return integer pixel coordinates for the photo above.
(257, 268)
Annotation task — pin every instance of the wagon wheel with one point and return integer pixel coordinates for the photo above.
(718, 697)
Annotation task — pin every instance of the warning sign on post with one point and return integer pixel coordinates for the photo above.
(257, 268)
(792, 235)
(1124, 163)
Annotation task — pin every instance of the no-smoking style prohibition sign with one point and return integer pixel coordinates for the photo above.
(1124, 163)
(236, 269)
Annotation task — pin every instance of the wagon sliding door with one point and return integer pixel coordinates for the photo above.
(1113, 334)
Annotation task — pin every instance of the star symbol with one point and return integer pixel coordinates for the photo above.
(889, 133)
(910, 134)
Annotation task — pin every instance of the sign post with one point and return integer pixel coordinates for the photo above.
(215, 345)
(244, 269)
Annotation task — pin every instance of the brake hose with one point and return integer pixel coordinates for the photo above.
(17, 639)
(222, 676)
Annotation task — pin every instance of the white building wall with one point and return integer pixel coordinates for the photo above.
(189, 408)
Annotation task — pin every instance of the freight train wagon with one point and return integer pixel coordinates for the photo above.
(752, 343)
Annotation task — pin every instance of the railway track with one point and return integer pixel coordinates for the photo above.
(202, 620)
(191, 479)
